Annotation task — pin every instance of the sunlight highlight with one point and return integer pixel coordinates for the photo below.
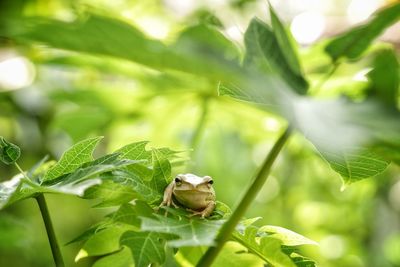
(81, 254)
(361, 76)
(16, 72)
(307, 27)
(154, 27)
(332, 247)
(360, 10)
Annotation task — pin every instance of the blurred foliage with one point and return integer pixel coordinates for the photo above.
(98, 70)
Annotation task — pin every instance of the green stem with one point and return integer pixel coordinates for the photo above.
(21, 171)
(247, 199)
(55, 248)
(325, 78)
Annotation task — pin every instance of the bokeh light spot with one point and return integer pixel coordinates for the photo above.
(307, 27)
(16, 72)
(332, 247)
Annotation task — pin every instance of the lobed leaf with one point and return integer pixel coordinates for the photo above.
(385, 77)
(102, 242)
(189, 231)
(355, 163)
(135, 151)
(145, 247)
(267, 248)
(273, 244)
(73, 158)
(121, 258)
(288, 237)
(355, 41)
(264, 52)
(198, 53)
(285, 42)
(110, 193)
(234, 254)
(74, 183)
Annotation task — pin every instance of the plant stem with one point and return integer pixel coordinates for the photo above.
(247, 199)
(325, 78)
(55, 248)
(21, 171)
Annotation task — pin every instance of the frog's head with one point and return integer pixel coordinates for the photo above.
(191, 182)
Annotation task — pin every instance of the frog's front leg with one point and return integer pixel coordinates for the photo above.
(206, 212)
(167, 199)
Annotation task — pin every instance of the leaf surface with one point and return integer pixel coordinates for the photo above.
(263, 51)
(355, 41)
(122, 258)
(385, 77)
(275, 245)
(75, 183)
(73, 158)
(145, 247)
(190, 231)
(356, 164)
(234, 254)
(285, 42)
(9, 153)
(106, 36)
(102, 242)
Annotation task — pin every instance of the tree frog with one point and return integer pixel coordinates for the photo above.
(194, 193)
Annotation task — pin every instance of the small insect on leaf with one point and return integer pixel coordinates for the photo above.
(9, 153)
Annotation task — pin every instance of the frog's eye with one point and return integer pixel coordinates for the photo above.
(210, 182)
(178, 181)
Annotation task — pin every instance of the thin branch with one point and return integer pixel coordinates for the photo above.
(251, 193)
(325, 78)
(55, 248)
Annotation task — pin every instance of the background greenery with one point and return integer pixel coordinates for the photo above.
(77, 95)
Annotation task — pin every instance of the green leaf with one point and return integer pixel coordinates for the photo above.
(286, 43)
(103, 242)
(73, 158)
(146, 189)
(135, 151)
(288, 237)
(385, 77)
(9, 153)
(148, 183)
(355, 164)
(301, 261)
(145, 247)
(161, 170)
(122, 258)
(110, 192)
(129, 213)
(267, 248)
(354, 42)
(106, 36)
(206, 41)
(234, 254)
(189, 231)
(271, 243)
(263, 52)
(75, 183)
(126, 216)
(99, 35)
